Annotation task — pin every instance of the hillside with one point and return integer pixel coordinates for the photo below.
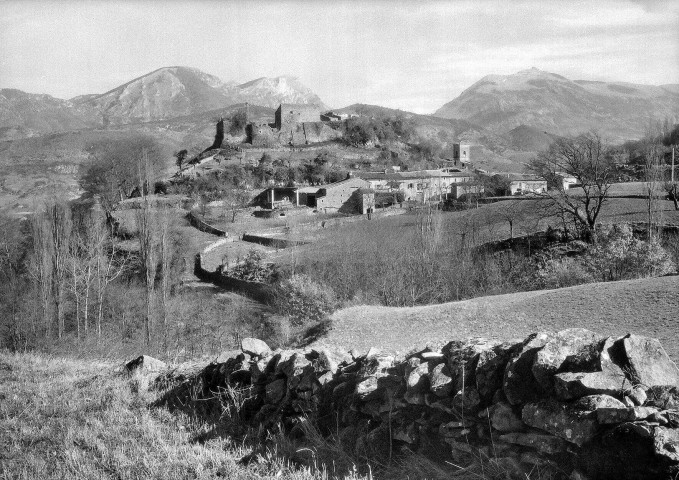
(163, 94)
(552, 103)
(26, 115)
(646, 306)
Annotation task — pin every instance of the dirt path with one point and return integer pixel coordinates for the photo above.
(647, 307)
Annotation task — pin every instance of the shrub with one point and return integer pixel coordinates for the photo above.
(619, 256)
(253, 268)
(304, 300)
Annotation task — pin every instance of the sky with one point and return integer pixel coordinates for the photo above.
(414, 55)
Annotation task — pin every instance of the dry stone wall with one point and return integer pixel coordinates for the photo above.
(571, 403)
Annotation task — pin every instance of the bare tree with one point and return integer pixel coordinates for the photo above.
(653, 173)
(586, 159)
(51, 225)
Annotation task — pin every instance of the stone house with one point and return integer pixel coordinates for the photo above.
(340, 196)
(527, 185)
(459, 190)
(420, 185)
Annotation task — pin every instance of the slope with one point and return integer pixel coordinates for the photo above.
(646, 306)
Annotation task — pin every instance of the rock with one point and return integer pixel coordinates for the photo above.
(649, 364)
(490, 368)
(366, 387)
(467, 400)
(293, 366)
(254, 347)
(504, 419)
(418, 380)
(568, 386)
(462, 360)
(638, 395)
(519, 384)
(665, 397)
(432, 356)
(457, 447)
(607, 415)
(275, 391)
(325, 378)
(414, 398)
(624, 452)
(593, 402)
(628, 402)
(324, 361)
(560, 420)
(666, 443)
(453, 429)
(441, 384)
(407, 434)
(575, 345)
(541, 442)
(145, 364)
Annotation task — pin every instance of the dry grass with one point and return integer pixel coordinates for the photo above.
(65, 419)
(646, 307)
(61, 418)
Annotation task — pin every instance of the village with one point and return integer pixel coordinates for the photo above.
(365, 190)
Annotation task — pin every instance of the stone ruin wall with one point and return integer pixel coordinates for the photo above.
(264, 135)
(572, 403)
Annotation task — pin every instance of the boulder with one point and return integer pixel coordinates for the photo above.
(577, 347)
(519, 383)
(254, 347)
(649, 364)
(145, 364)
(560, 420)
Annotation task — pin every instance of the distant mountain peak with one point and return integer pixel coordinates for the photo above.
(552, 103)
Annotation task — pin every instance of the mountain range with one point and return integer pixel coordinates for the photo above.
(530, 99)
(165, 93)
(559, 106)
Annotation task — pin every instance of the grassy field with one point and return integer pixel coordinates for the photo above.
(646, 307)
(62, 419)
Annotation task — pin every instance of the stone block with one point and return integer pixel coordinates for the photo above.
(441, 383)
(568, 386)
(519, 383)
(504, 419)
(574, 345)
(649, 363)
(560, 420)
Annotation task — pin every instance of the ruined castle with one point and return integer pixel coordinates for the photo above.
(294, 124)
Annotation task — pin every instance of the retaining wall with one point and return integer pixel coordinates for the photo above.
(571, 405)
(255, 290)
(203, 226)
(272, 241)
